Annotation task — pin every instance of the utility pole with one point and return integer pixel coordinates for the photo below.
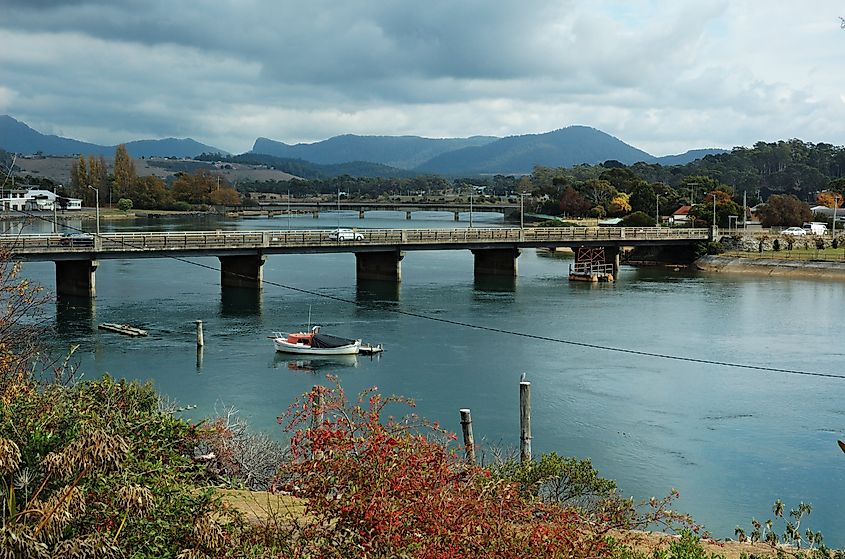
(833, 229)
(657, 209)
(744, 210)
(714, 207)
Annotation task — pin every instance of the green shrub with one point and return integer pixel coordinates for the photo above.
(637, 219)
(776, 245)
(557, 479)
(715, 247)
(124, 204)
(181, 206)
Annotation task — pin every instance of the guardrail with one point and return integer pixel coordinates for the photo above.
(221, 240)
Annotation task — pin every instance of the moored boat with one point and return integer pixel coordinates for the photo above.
(315, 343)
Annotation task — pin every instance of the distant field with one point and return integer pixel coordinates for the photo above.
(58, 169)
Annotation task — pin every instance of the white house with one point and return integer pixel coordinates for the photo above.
(36, 199)
(680, 216)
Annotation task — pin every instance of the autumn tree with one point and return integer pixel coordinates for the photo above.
(124, 172)
(573, 202)
(725, 208)
(619, 205)
(204, 187)
(787, 211)
(79, 177)
(828, 198)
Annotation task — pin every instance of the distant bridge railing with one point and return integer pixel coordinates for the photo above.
(280, 240)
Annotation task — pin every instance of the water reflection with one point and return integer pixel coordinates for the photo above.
(374, 291)
(75, 316)
(237, 301)
(497, 284)
(314, 363)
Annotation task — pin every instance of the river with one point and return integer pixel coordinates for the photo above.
(731, 440)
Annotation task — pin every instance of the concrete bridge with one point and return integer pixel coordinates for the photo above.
(510, 211)
(378, 255)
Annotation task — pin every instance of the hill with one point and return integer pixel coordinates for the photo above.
(403, 152)
(519, 154)
(17, 137)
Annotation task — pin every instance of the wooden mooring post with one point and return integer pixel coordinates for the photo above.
(200, 340)
(524, 421)
(469, 440)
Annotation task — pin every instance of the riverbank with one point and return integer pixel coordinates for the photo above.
(771, 267)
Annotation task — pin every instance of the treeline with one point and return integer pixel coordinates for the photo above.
(312, 171)
(91, 181)
(373, 187)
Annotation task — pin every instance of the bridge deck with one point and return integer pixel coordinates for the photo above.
(221, 243)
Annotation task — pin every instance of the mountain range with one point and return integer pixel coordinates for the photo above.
(17, 137)
(565, 147)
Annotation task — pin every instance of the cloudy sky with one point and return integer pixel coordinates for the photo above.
(663, 75)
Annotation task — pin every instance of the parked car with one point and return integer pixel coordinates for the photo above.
(345, 235)
(794, 231)
(815, 228)
(77, 240)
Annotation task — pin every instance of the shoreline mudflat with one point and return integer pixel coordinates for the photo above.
(807, 269)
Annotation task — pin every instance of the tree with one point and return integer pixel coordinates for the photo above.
(598, 191)
(573, 203)
(150, 193)
(203, 187)
(124, 204)
(725, 208)
(124, 172)
(787, 211)
(619, 205)
(637, 219)
(827, 199)
(643, 199)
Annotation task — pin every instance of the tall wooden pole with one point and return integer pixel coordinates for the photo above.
(200, 340)
(469, 440)
(524, 421)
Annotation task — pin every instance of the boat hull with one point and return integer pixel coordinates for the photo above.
(283, 346)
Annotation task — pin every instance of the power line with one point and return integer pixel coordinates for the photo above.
(493, 329)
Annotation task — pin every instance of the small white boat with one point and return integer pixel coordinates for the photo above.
(124, 329)
(314, 343)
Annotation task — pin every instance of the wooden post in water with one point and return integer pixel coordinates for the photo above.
(469, 440)
(524, 421)
(200, 341)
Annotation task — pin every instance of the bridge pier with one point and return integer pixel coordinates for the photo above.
(408, 214)
(457, 216)
(383, 266)
(496, 262)
(315, 214)
(360, 214)
(242, 271)
(612, 256)
(76, 278)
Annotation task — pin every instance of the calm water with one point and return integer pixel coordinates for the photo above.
(731, 440)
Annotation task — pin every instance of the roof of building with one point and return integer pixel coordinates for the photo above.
(683, 210)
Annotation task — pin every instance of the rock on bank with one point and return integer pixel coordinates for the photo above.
(772, 267)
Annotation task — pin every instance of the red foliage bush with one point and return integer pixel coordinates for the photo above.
(388, 488)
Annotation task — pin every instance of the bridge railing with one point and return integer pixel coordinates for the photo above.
(200, 240)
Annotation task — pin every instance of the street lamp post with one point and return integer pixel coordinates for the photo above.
(833, 229)
(522, 196)
(470, 207)
(97, 202)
